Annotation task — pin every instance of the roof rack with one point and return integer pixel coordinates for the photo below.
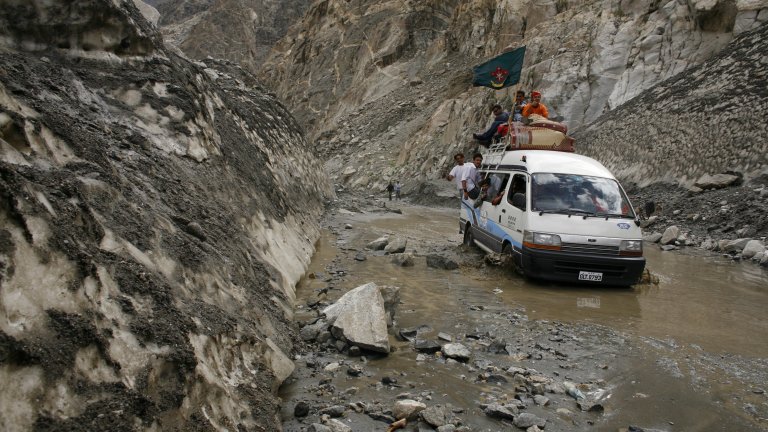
(522, 137)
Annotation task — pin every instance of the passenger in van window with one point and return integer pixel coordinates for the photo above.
(457, 172)
(518, 186)
(500, 117)
(535, 107)
(485, 184)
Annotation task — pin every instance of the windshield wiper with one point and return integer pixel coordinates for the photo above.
(613, 215)
(570, 212)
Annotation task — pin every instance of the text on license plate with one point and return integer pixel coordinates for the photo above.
(590, 276)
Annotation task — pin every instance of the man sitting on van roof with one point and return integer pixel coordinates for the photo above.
(535, 106)
(500, 117)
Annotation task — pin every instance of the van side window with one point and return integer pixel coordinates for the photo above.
(498, 185)
(518, 186)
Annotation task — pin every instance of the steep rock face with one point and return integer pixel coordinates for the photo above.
(242, 31)
(383, 88)
(710, 119)
(155, 217)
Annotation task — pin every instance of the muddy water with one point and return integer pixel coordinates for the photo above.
(702, 299)
(704, 306)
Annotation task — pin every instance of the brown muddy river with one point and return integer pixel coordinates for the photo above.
(699, 339)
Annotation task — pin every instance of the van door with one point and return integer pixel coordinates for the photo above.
(490, 224)
(513, 218)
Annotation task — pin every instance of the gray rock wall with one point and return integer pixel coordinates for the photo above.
(708, 120)
(155, 216)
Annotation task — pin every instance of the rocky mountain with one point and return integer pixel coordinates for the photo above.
(156, 215)
(383, 89)
(242, 31)
(706, 121)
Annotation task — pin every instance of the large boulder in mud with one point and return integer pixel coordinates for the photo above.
(359, 318)
(752, 248)
(670, 235)
(717, 181)
(396, 245)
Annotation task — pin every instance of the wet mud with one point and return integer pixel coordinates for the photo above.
(688, 354)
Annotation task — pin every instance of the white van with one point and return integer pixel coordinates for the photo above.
(561, 216)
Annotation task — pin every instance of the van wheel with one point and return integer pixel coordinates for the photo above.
(508, 251)
(469, 239)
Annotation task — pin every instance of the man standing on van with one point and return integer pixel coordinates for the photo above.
(457, 172)
(500, 117)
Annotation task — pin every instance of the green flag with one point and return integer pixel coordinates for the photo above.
(500, 71)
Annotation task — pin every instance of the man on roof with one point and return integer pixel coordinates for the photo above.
(535, 106)
(500, 117)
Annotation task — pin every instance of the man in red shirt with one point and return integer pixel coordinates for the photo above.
(535, 106)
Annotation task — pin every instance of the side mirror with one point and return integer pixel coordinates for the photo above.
(518, 200)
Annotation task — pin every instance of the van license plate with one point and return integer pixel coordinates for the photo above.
(590, 276)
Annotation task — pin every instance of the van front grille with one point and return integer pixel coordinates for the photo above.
(593, 249)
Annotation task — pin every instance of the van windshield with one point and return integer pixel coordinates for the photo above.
(578, 194)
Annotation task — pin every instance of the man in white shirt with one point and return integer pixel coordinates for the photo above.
(469, 178)
(458, 171)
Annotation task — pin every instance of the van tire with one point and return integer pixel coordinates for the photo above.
(508, 251)
(469, 239)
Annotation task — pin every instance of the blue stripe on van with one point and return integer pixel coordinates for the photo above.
(491, 227)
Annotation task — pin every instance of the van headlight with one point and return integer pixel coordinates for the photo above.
(631, 248)
(537, 240)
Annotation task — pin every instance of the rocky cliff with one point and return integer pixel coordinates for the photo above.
(155, 216)
(388, 83)
(242, 31)
(708, 120)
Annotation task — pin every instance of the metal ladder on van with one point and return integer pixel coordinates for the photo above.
(514, 140)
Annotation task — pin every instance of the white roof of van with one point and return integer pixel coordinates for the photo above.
(548, 161)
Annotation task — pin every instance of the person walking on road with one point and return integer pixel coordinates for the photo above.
(390, 188)
(398, 187)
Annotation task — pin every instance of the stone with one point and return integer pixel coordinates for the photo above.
(301, 409)
(378, 244)
(541, 400)
(441, 262)
(503, 412)
(426, 346)
(354, 351)
(333, 411)
(670, 235)
(526, 420)
(764, 260)
(312, 331)
(317, 427)
(360, 318)
(590, 406)
(717, 181)
(196, 230)
(456, 351)
(348, 226)
(444, 336)
(737, 245)
(447, 428)
(435, 415)
(396, 245)
(653, 237)
(332, 367)
(337, 426)
(360, 256)
(403, 259)
(752, 248)
(408, 409)
(391, 296)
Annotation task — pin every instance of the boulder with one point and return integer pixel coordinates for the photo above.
(456, 351)
(337, 425)
(670, 235)
(426, 346)
(752, 248)
(403, 259)
(407, 409)
(737, 245)
(396, 245)
(526, 420)
(764, 260)
(441, 262)
(317, 427)
(717, 181)
(378, 244)
(499, 411)
(359, 317)
(435, 415)
(311, 331)
(652, 237)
